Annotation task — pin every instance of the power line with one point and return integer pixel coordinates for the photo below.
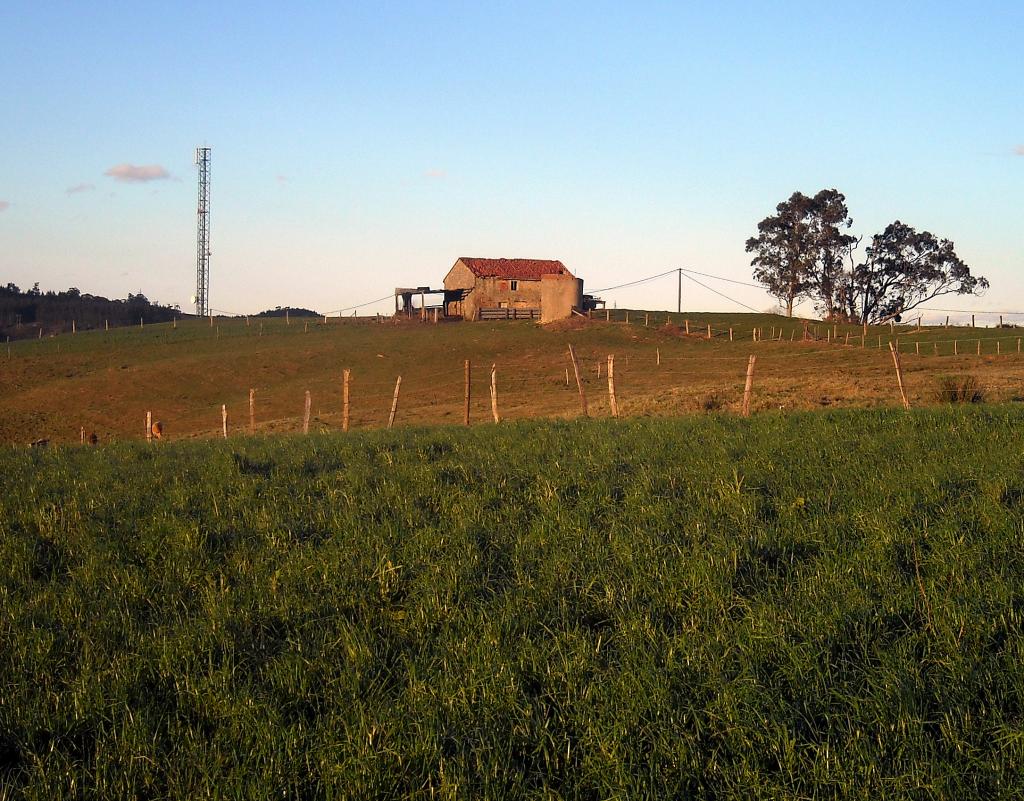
(965, 311)
(635, 283)
(721, 278)
(720, 294)
(360, 305)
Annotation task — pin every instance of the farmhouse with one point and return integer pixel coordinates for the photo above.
(482, 289)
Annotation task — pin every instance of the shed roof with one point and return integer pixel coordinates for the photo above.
(523, 269)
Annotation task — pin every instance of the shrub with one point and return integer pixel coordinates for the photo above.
(959, 389)
(712, 403)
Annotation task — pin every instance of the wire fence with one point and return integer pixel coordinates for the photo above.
(798, 366)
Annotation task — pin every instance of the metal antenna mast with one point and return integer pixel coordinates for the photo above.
(202, 298)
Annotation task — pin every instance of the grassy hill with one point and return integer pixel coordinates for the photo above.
(106, 381)
(793, 606)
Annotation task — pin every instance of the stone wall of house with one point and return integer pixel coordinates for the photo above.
(554, 295)
(559, 295)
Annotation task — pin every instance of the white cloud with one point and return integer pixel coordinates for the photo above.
(74, 190)
(435, 173)
(130, 173)
(4, 205)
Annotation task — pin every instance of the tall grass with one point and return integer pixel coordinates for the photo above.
(964, 388)
(786, 607)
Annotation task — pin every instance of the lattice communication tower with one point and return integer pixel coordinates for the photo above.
(202, 298)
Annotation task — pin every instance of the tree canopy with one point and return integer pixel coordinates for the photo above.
(799, 251)
(804, 251)
(903, 268)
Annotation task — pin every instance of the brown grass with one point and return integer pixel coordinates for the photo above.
(107, 382)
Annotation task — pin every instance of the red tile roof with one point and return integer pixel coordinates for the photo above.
(522, 269)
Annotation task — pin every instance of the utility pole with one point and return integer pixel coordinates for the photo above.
(679, 292)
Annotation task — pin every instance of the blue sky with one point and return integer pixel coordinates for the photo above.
(360, 146)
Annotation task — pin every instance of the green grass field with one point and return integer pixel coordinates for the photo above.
(106, 382)
(792, 606)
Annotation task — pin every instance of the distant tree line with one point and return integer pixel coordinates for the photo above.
(23, 313)
(290, 311)
(804, 252)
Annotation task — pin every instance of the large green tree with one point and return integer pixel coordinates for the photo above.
(799, 251)
(901, 269)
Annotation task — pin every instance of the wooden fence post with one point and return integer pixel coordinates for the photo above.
(345, 378)
(74, 328)
(999, 348)
(252, 411)
(567, 376)
(82, 433)
(305, 414)
(979, 347)
(466, 394)
(646, 315)
(899, 375)
(658, 350)
(709, 330)
(972, 321)
(956, 350)
(106, 324)
(686, 323)
(394, 402)
(917, 348)
(748, 386)
(579, 383)
(730, 333)
(287, 319)
(224, 419)
(149, 426)
(611, 386)
(494, 393)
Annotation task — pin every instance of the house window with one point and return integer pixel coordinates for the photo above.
(514, 285)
